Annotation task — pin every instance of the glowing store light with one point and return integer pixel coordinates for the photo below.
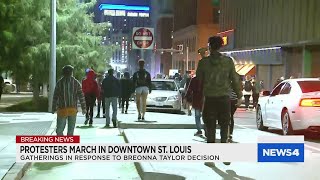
(132, 14)
(143, 14)
(120, 13)
(250, 50)
(123, 7)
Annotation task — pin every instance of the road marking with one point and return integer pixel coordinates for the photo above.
(311, 147)
(308, 146)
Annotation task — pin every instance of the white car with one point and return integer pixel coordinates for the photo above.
(165, 95)
(292, 105)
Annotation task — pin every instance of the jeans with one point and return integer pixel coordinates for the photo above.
(197, 114)
(101, 102)
(90, 100)
(255, 98)
(233, 110)
(61, 124)
(111, 101)
(125, 100)
(216, 108)
(247, 100)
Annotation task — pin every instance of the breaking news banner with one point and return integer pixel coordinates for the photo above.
(69, 149)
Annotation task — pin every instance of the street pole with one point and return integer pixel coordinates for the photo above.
(52, 67)
(187, 58)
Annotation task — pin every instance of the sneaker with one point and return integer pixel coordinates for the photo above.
(126, 112)
(122, 111)
(98, 116)
(227, 163)
(198, 133)
(86, 122)
(104, 116)
(139, 117)
(107, 126)
(142, 119)
(209, 164)
(230, 139)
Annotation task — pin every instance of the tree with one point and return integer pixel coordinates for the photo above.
(25, 31)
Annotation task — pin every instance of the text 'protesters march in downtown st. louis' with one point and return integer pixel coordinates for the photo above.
(217, 72)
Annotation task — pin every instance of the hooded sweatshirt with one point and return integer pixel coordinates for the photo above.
(90, 85)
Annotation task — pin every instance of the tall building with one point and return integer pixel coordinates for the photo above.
(123, 17)
(272, 38)
(194, 22)
(162, 21)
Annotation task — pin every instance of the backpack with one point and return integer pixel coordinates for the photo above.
(142, 78)
(247, 86)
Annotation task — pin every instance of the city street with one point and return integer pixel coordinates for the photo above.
(158, 128)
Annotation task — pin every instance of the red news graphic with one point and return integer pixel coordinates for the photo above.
(47, 139)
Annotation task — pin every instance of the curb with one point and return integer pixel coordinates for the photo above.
(18, 170)
(142, 125)
(147, 172)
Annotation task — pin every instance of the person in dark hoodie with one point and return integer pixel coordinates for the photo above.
(91, 92)
(101, 101)
(194, 96)
(127, 89)
(111, 89)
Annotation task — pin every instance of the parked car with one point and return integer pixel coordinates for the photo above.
(165, 95)
(292, 105)
(9, 87)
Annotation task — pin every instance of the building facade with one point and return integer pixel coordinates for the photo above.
(194, 22)
(162, 21)
(272, 38)
(123, 18)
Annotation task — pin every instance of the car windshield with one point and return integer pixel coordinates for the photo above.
(309, 86)
(163, 85)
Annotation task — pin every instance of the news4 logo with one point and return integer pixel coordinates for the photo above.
(280, 152)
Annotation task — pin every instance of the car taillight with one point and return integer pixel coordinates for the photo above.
(310, 102)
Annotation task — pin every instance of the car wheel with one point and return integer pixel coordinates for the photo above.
(286, 123)
(259, 119)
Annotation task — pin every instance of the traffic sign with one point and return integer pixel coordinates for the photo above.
(143, 38)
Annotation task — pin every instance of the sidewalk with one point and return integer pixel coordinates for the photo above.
(19, 124)
(83, 170)
(244, 171)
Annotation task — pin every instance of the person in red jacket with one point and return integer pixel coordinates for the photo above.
(91, 92)
(194, 96)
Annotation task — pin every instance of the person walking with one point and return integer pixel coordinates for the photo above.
(194, 96)
(247, 91)
(256, 89)
(66, 95)
(217, 72)
(91, 92)
(127, 89)
(101, 101)
(142, 83)
(111, 91)
(233, 108)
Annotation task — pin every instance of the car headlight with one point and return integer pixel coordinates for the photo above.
(173, 98)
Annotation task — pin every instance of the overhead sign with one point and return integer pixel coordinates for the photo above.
(228, 39)
(143, 38)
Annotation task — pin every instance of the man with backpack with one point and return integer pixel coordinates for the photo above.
(142, 82)
(247, 91)
(217, 72)
(91, 92)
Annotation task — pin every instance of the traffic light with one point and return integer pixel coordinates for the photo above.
(215, 2)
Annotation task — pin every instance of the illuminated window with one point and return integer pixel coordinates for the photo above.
(132, 14)
(143, 14)
(109, 12)
(120, 13)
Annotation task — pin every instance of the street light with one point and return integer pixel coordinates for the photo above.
(170, 51)
(52, 67)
